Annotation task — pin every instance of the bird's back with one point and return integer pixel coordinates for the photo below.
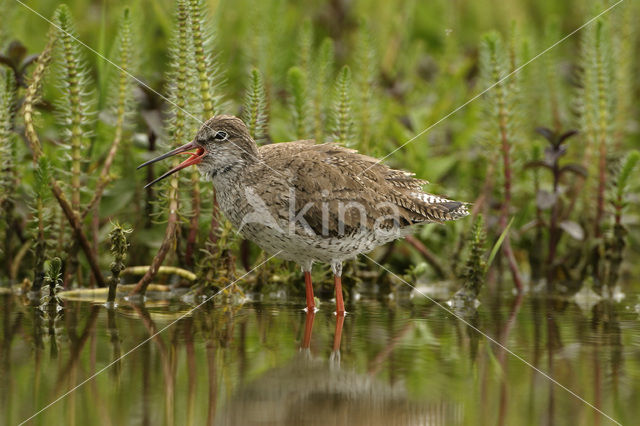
(331, 180)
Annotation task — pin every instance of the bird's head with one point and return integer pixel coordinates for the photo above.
(221, 144)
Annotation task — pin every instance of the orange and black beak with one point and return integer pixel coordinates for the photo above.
(194, 158)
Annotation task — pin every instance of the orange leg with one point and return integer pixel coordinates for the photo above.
(311, 304)
(337, 337)
(337, 281)
(308, 327)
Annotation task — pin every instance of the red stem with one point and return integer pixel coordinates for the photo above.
(506, 205)
(602, 180)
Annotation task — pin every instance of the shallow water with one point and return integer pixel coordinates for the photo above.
(387, 362)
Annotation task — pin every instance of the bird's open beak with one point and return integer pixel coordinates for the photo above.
(194, 158)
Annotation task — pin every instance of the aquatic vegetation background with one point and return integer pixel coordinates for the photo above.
(367, 74)
(547, 156)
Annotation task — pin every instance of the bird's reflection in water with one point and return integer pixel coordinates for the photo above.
(314, 391)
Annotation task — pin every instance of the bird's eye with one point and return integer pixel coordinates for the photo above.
(220, 136)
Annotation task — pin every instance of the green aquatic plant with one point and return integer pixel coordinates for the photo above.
(207, 100)
(76, 103)
(623, 33)
(595, 101)
(297, 82)
(41, 223)
(474, 270)
(255, 107)
(217, 264)
(322, 77)
(616, 242)
(119, 248)
(554, 200)
(586, 101)
(75, 109)
(499, 108)
(209, 73)
(33, 95)
(553, 102)
(8, 165)
(401, 82)
(604, 99)
(53, 280)
(343, 123)
(305, 49)
(622, 185)
(178, 130)
(122, 104)
(365, 83)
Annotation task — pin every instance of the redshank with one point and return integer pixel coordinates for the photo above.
(309, 202)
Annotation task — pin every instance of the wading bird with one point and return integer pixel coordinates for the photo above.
(309, 202)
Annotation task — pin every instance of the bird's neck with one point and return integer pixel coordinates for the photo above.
(229, 170)
(226, 174)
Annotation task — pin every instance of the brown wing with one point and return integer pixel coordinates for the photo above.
(349, 189)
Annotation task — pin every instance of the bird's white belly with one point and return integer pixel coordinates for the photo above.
(304, 248)
(275, 235)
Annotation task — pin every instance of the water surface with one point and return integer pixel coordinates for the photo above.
(387, 362)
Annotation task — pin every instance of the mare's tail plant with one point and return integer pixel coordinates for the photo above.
(365, 77)
(255, 107)
(343, 123)
(207, 100)
(8, 174)
(297, 83)
(41, 219)
(552, 77)
(75, 109)
(624, 34)
(603, 96)
(53, 280)
(178, 131)
(123, 104)
(119, 248)
(7, 160)
(617, 240)
(499, 108)
(473, 272)
(594, 108)
(73, 113)
(322, 77)
(75, 106)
